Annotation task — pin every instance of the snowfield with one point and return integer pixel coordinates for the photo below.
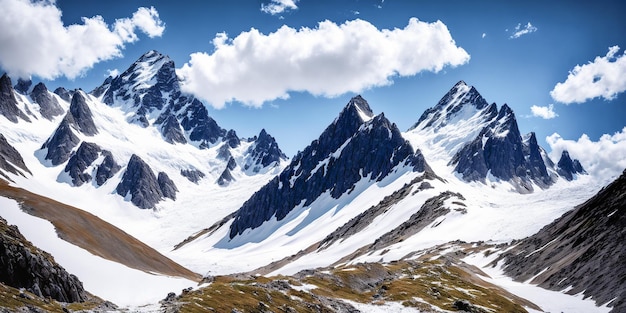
(106, 279)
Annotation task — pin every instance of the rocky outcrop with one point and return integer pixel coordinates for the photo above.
(201, 128)
(583, 250)
(567, 168)
(10, 159)
(23, 85)
(142, 186)
(8, 103)
(226, 177)
(264, 152)
(192, 175)
(84, 158)
(231, 139)
(171, 130)
(333, 163)
(64, 140)
(60, 145)
(107, 168)
(49, 107)
(81, 116)
(25, 266)
(64, 94)
(167, 186)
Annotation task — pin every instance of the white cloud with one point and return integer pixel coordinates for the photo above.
(278, 6)
(484, 35)
(113, 73)
(521, 30)
(329, 60)
(35, 41)
(604, 77)
(544, 112)
(605, 159)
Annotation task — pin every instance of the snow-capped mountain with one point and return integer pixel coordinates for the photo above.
(216, 203)
(483, 143)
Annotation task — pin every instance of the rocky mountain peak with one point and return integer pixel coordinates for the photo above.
(8, 102)
(49, 107)
(146, 85)
(81, 114)
(23, 85)
(142, 187)
(459, 98)
(567, 168)
(360, 107)
(333, 163)
(264, 152)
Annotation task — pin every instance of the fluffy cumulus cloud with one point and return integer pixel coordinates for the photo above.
(604, 77)
(278, 6)
(605, 159)
(36, 42)
(521, 30)
(328, 60)
(544, 112)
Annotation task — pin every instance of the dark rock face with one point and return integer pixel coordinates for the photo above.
(200, 126)
(231, 139)
(500, 150)
(264, 152)
(139, 181)
(171, 130)
(324, 167)
(227, 176)
(567, 168)
(535, 161)
(61, 143)
(107, 168)
(81, 115)
(192, 175)
(145, 189)
(25, 266)
(23, 85)
(48, 105)
(8, 102)
(64, 94)
(85, 155)
(161, 91)
(583, 249)
(167, 186)
(10, 159)
(223, 153)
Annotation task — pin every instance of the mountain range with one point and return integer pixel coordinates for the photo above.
(146, 163)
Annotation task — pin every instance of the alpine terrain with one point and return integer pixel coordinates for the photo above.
(143, 202)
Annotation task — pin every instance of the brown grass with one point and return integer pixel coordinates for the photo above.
(89, 232)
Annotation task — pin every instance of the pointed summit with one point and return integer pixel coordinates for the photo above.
(8, 102)
(567, 168)
(361, 107)
(462, 100)
(143, 85)
(264, 152)
(332, 164)
(48, 105)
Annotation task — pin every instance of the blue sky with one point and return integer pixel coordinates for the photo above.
(512, 52)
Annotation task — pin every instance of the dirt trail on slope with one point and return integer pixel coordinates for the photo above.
(89, 232)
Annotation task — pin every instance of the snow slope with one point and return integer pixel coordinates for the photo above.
(109, 280)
